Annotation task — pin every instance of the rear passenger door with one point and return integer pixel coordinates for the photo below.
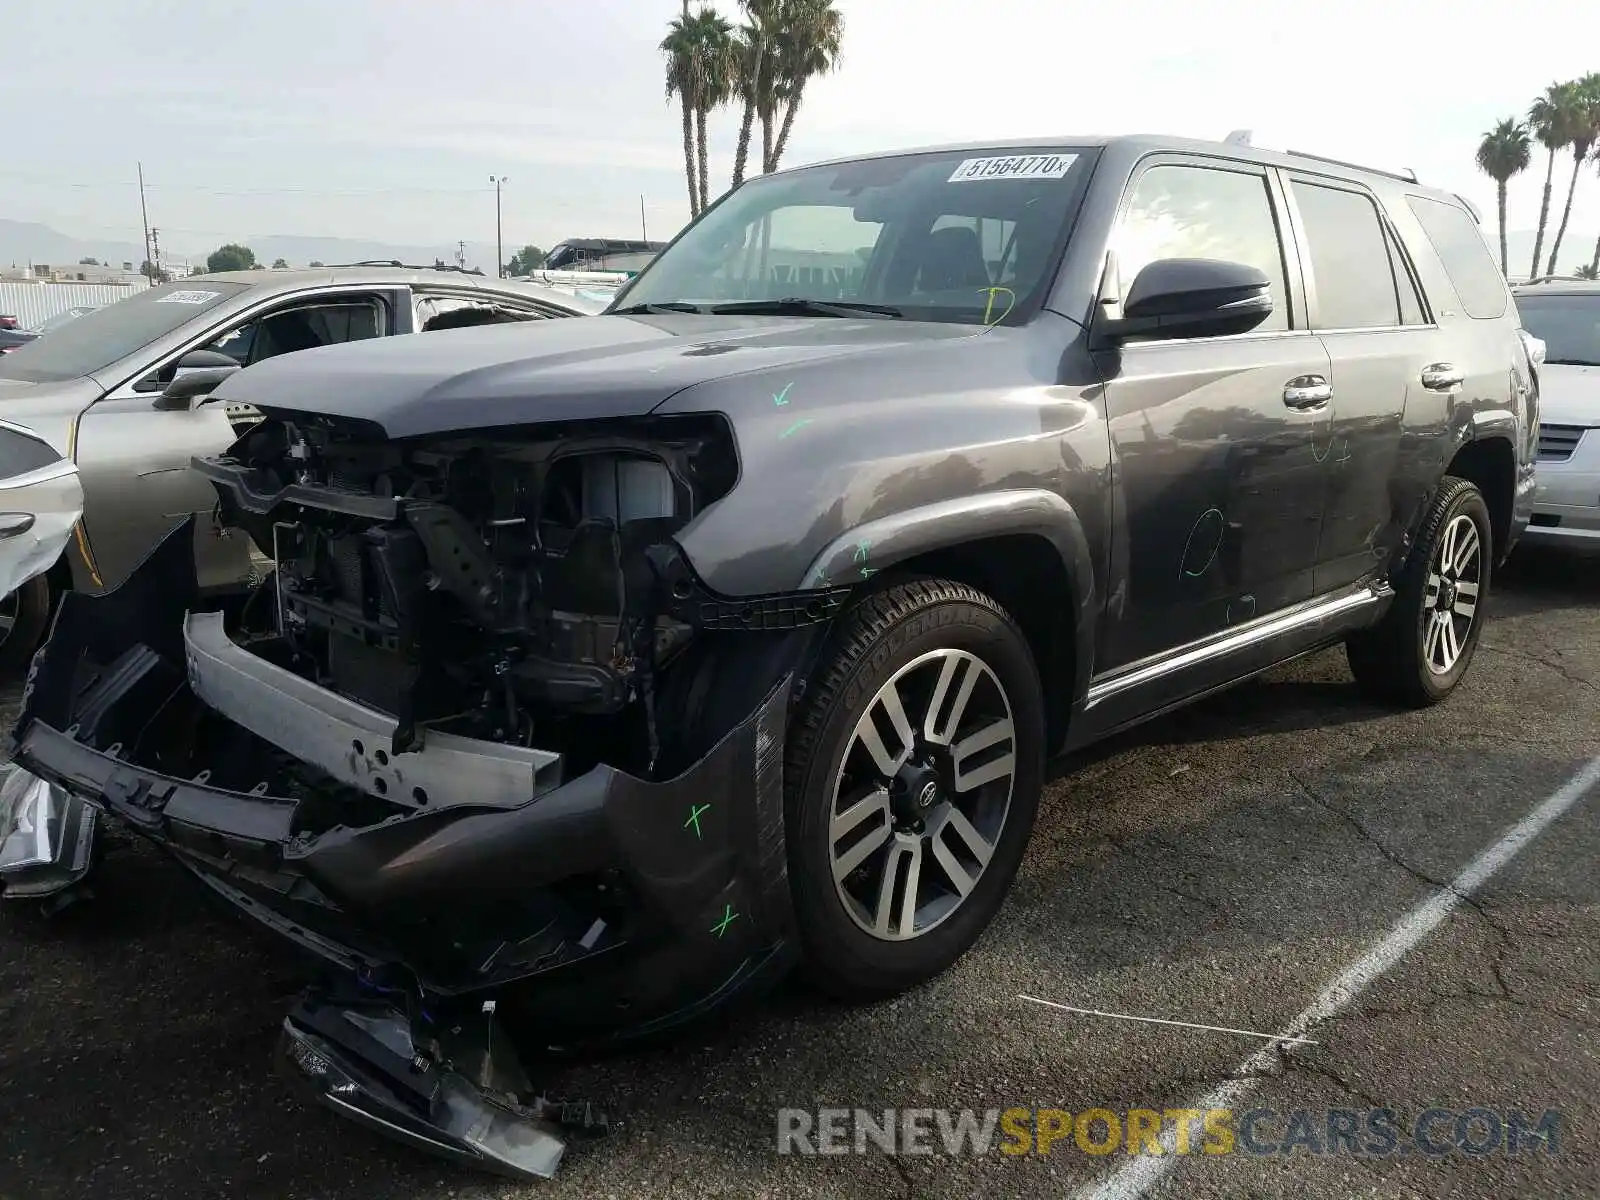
(1218, 480)
(1365, 305)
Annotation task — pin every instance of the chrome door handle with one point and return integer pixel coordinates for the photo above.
(1307, 391)
(1442, 377)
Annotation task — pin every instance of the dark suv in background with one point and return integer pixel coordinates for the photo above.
(609, 666)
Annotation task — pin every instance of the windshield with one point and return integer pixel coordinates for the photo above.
(966, 236)
(106, 335)
(1569, 326)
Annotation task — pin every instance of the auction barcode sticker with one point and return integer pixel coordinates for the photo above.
(1025, 166)
(188, 297)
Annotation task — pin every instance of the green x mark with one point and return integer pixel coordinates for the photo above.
(728, 918)
(696, 811)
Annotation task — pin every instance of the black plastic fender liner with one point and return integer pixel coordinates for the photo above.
(145, 609)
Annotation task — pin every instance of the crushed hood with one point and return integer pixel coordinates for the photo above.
(1569, 395)
(560, 370)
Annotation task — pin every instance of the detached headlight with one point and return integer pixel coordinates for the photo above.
(46, 837)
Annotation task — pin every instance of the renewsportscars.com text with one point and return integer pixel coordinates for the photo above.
(1375, 1132)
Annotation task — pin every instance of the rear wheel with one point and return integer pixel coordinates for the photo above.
(1421, 649)
(24, 614)
(912, 776)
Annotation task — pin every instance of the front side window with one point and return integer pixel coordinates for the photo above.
(1182, 211)
(1350, 263)
(963, 236)
(1568, 325)
(304, 327)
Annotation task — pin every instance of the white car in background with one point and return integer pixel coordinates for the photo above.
(1565, 316)
(41, 502)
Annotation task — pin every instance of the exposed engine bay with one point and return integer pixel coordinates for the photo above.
(520, 588)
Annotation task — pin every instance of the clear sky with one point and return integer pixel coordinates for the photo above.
(363, 118)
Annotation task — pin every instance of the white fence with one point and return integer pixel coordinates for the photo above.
(34, 303)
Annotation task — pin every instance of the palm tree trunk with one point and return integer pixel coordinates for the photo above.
(766, 142)
(1500, 195)
(1566, 213)
(688, 157)
(742, 154)
(788, 124)
(705, 183)
(1594, 263)
(1544, 215)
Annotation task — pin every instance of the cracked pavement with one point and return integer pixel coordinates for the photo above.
(1220, 866)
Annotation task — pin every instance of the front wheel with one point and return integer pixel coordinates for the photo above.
(912, 780)
(1420, 650)
(24, 615)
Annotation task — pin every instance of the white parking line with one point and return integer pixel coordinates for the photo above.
(1142, 1173)
(1095, 1012)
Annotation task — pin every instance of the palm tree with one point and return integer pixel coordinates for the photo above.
(716, 50)
(812, 35)
(1594, 263)
(1550, 118)
(754, 62)
(1582, 132)
(679, 48)
(1505, 151)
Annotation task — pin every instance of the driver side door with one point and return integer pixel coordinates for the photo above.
(133, 447)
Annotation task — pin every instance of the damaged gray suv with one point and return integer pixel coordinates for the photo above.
(611, 667)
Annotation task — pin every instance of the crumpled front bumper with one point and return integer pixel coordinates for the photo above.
(588, 910)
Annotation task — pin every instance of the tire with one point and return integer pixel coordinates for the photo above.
(918, 634)
(28, 611)
(1404, 659)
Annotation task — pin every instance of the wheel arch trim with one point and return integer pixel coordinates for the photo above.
(864, 550)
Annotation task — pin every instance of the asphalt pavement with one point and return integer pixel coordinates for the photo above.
(1223, 866)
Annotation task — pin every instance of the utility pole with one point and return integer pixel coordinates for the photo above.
(144, 215)
(644, 231)
(499, 248)
(461, 254)
(155, 251)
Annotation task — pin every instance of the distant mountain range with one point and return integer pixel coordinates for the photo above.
(24, 242)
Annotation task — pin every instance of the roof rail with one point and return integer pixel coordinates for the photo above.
(1405, 176)
(395, 262)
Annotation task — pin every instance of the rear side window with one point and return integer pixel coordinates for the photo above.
(1203, 212)
(1350, 264)
(1459, 243)
(22, 452)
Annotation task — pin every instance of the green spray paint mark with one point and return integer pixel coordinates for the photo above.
(868, 572)
(782, 397)
(862, 549)
(696, 811)
(728, 918)
(792, 428)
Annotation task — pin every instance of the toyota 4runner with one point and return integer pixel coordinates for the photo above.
(611, 666)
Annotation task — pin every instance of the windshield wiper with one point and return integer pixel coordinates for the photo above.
(801, 307)
(666, 306)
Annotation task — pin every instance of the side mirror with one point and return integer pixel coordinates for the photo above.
(1192, 297)
(198, 373)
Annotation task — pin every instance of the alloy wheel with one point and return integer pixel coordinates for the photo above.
(922, 794)
(1450, 597)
